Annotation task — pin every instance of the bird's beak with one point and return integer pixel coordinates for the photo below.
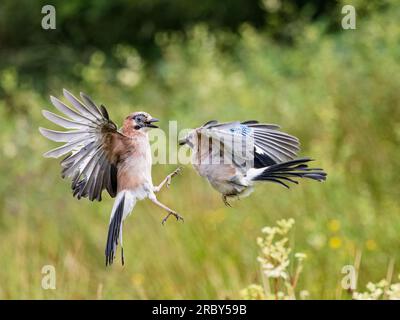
(150, 122)
(182, 141)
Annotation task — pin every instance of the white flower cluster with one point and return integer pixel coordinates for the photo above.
(275, 260)
(379, 291)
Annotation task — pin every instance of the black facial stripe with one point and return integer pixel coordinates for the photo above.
(140, 117)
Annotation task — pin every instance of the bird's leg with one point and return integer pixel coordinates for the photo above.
(176, 215)
(170, 211)
(167, 179)
(226, 201)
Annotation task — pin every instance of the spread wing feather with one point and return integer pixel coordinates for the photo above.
(233, 145)
(270, 146)
(86, 163)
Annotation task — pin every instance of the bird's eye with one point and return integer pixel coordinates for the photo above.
(139, 118)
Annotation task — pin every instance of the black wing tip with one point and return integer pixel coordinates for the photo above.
(262, 160)
(210, 122)
(104, 111)
(86, 97)
(250, 122)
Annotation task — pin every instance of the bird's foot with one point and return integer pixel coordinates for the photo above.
(171, 175)
(226, 201)
(176, 215)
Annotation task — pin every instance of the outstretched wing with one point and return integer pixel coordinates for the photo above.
(88, 161)
(270, 145)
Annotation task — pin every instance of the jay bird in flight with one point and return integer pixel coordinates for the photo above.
(233, 156)
(99, 156)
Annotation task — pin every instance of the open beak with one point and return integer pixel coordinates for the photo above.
(150, 122)
(182, 141)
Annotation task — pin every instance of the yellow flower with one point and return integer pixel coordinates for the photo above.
(371, 245)
(334, 225)
(335, 242)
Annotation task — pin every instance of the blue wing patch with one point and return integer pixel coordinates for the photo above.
(241, 129)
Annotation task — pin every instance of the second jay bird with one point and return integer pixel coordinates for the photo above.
(233, 156)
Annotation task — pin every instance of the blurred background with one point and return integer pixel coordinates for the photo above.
(278, 61)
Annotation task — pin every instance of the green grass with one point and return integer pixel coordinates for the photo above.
(338, 93)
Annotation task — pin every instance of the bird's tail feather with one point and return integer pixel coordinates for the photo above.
(282, 173)
(123, 205)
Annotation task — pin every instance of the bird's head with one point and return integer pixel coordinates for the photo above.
(140, 121)
(189, 139)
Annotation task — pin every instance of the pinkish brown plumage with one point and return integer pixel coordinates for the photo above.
(99, 156)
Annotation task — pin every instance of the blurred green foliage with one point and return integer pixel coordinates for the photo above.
(85, 26)
(91, 22)
(338, 92)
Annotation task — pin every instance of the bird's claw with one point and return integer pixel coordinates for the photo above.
(176, 215)
(171, 175)
(226, 202)
(177, 171)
